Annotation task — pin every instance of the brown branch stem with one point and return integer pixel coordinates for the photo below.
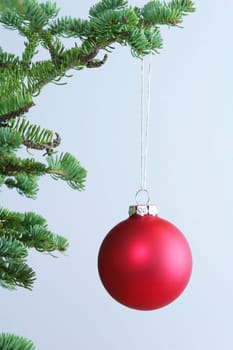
(55, 172)
(18, 113)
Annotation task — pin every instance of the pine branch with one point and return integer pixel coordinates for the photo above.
(70, 27)
(27, 171)
(30, 49)
(110, 21)
(35, 138)
(19, 232)
(14, 275)
(20, 107)
(32, 230)
(31, 132)
(11, 250)
(13, 342)
(25, 184)
(67, 168)
(13, 166)
(9, 141)
(8, 60)
(13, 4)
(29, 11)
(23, 174)
(106, 5)
(157, 12)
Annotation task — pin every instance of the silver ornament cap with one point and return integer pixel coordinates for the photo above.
(143, 209)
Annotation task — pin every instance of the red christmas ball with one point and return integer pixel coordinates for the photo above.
(145, 262)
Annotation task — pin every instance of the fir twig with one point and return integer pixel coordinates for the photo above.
(110, 21)
(13, 342)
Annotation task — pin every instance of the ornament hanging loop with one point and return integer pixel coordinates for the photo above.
(142, 197)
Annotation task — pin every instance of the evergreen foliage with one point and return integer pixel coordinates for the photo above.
(21, 80)
(13, 342)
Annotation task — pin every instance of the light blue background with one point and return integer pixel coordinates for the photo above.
(190, 177)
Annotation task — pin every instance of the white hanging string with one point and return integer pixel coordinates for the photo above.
(142, 186)
(145, 121)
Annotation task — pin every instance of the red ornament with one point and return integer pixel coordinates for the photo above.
(145, 262)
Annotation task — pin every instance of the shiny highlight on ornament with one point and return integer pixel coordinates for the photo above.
(145, 262)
